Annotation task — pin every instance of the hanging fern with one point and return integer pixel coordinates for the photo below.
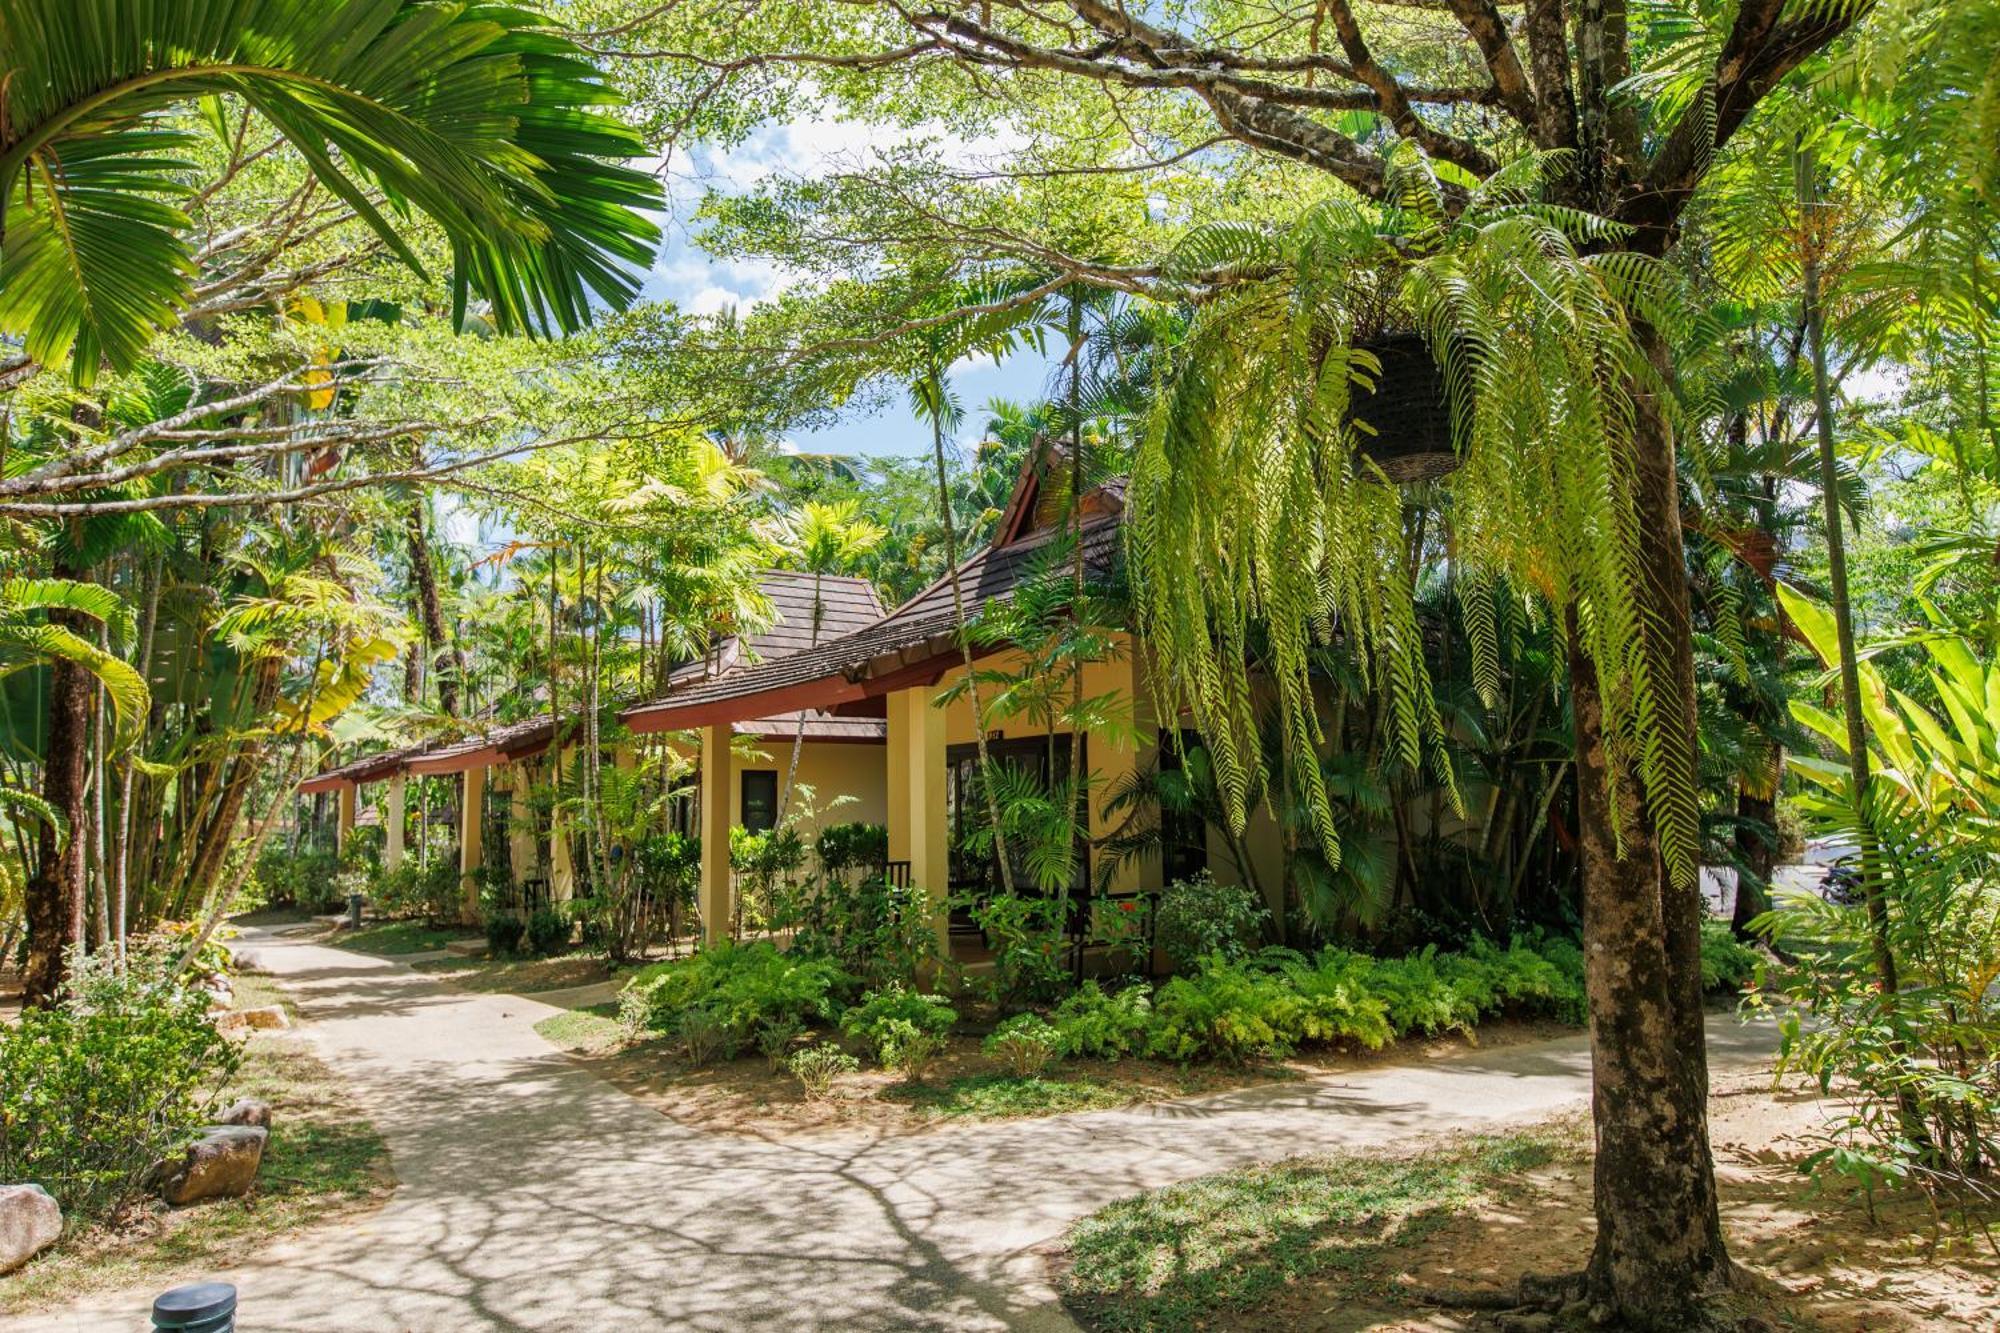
(1258, 529)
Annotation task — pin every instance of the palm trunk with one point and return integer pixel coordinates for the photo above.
(799, 736)
(55, 892)
(1756, 849)
(965, 644)
(451, 665)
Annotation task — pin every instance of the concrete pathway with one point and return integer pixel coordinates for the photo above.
(535, 1196)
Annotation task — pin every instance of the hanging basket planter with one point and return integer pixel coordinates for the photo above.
(1403, 423)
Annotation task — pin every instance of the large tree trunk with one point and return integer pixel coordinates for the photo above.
(1659, 1250)
(55, 892)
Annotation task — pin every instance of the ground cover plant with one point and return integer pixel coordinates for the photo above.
(1193, 1254)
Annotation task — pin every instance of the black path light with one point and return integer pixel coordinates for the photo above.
(202, 1307)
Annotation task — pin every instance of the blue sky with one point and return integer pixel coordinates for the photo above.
(697, 281)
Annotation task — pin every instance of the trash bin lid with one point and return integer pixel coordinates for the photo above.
(191, 1304)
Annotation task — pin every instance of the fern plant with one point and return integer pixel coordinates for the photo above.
(1259, 528)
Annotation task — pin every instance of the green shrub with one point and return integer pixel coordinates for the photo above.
(908, 1049)
(1337, 1000)
(1030, 950)
(887, 1019)
(743, 986)
(1225, 1011)
(816, 1067)
(1418, 995)
(1026, 1044)
(96, 1089)
(1097, 1025)
(1199, 918)
(1727, 963)
(546, 932)
(413, 889)
(776, 1037)
(504, 932)
(702, 1036)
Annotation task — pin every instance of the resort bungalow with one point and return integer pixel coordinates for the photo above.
(888, 728)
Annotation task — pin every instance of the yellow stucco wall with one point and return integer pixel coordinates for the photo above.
(831, 769)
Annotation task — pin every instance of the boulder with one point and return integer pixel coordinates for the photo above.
(244, 1020)
(221, 1164)
(249, 1111)
(30, 1222)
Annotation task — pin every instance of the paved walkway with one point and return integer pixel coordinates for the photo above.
(536, 1196)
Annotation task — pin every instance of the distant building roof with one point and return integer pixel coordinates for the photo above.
(913, 644)
(846, 604)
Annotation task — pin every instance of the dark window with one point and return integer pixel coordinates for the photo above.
(760, 799)
(966, 808)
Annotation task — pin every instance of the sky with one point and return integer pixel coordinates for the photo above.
(700, 283)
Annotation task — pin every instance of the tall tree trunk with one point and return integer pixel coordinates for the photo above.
(55, 892)
(1659, 1251)
(964, 643)
(1659, 1248)
(220, 831)
(799, 735)
(451, 662)
(1756, 845)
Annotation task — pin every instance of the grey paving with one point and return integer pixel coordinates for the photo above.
(535, 1196)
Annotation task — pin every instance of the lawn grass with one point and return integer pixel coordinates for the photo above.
(1190, 1255)
(393, 938)
(521, 976)
(594, 1030)
(324, 1158)
(1006, 1096)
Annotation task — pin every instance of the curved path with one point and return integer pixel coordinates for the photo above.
(535, 1196)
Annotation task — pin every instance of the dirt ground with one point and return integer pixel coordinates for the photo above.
(744, 1096)
(1811, 1255)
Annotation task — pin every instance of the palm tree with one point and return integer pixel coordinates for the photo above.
(823, 538)
(474, 116)
(55, 892)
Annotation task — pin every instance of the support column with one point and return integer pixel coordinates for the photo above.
(717, 817)
(392, 833)
(562, 866)
(521, 826)
(1113, 758)
(471, 841)
(343, 828)
(918, 830)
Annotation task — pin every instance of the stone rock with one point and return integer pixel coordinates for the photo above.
(244, 1020)
(221, 1164)
(30, 1222)
(1536, 1322)
(249, 1111)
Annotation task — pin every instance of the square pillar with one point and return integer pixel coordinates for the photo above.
(718, 815)
(918, 829)
(343, 827)
(1114, 755)
(471, 841)
(562, 866)
(521, 826)
(392, 834)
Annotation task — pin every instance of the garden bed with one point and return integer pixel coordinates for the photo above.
(324, 1164)
(744, 1096)
(1353, 1242)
